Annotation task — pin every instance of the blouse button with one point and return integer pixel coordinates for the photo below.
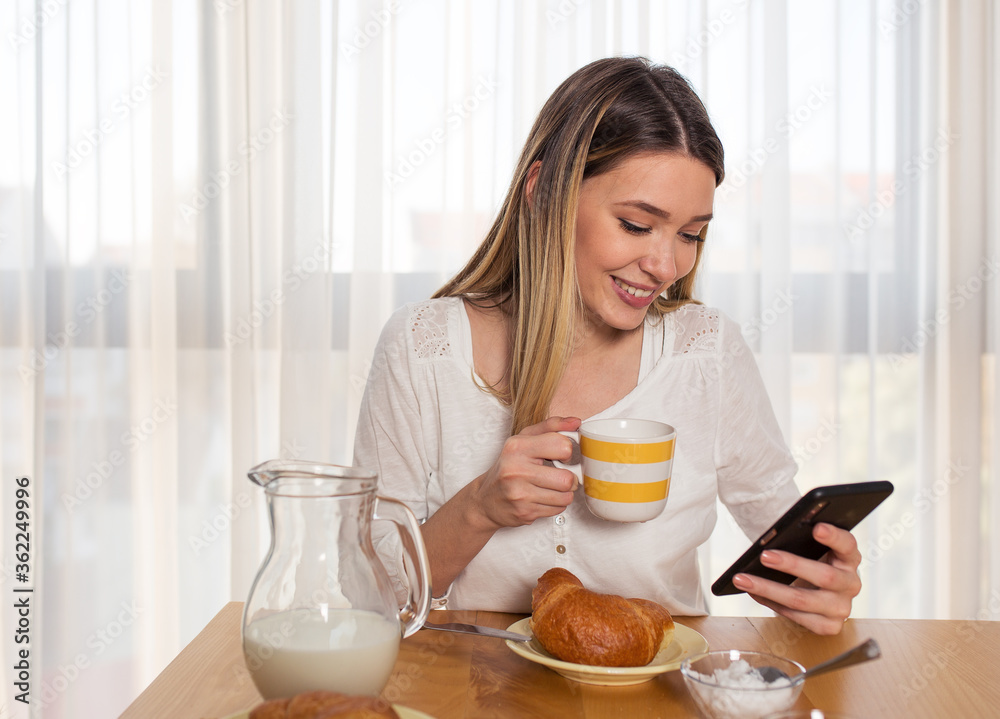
(561, 549)
(560, 520)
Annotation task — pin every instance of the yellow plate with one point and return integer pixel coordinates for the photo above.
(404, 713)
(686, 642)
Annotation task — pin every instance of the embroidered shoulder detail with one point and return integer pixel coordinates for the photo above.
(429, 327)
(696, 330)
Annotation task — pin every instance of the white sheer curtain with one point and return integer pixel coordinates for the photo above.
(208, 209)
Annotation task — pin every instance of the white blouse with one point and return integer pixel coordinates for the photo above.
(428, 429)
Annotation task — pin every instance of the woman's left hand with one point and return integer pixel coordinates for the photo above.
(820, 599)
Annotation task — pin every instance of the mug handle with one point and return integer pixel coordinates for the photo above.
(414, 612)
(577, 468)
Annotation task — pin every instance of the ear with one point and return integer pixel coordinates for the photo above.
(529, 185)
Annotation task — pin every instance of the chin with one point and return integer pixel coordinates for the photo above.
(624, 321)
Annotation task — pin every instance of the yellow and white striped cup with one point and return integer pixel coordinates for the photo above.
(625, 467)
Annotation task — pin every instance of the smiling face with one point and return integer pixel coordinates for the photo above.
(637, 233)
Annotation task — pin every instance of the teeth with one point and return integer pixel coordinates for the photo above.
(633, 290)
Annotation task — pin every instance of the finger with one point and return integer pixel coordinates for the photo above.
(524, 503)
(545, 447)
(816, 623)
(542, 485)
(553, 424)
(842, 542)
(567, 480)
(825, 575)
(555, 479)
(542, 504)
(526, 513)
(797, 601)
(555, 501)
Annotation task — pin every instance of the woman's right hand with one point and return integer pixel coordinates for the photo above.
(521, 486)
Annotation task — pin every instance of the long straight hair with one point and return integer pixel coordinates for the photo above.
(602, 115)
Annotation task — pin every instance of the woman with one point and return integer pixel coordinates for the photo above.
(579, 304)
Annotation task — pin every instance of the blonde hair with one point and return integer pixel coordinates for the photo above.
(603, 114)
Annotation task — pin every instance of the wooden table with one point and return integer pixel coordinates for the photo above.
(928, 669)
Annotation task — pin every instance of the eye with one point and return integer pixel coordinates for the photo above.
(634, 229)
(688, 237)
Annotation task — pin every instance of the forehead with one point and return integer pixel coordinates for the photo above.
(659, 178)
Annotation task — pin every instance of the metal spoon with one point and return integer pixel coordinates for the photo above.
(861, 653)
(478, 631)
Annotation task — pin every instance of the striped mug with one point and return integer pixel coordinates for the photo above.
(625, 467)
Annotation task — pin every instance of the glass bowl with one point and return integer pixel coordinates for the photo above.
(726, 684)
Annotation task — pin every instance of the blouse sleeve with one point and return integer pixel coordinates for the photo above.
(389, 438)
(755, 470)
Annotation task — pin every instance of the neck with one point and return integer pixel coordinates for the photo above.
(594, 337)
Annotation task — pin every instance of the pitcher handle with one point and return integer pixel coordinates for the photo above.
(414, 612)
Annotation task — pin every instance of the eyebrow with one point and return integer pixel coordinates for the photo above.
(656, 211)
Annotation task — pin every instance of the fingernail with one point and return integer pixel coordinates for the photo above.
(742, 581)
(768, 558)
(822, 531)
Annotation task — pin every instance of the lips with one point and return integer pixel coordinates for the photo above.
(632, 290)
(633, 296)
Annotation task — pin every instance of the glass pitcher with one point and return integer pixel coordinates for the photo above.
(322, 613)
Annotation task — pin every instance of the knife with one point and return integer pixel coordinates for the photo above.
(477, 630)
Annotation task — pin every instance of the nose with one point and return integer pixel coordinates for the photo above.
(660, 261)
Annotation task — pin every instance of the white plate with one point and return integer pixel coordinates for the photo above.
(686, 642)
(404, 713)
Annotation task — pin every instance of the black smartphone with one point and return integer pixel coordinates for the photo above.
(842, 505)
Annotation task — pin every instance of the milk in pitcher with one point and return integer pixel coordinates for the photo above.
(346, 650)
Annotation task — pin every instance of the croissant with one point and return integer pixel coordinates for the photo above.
(577, 625)
(324, 705)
